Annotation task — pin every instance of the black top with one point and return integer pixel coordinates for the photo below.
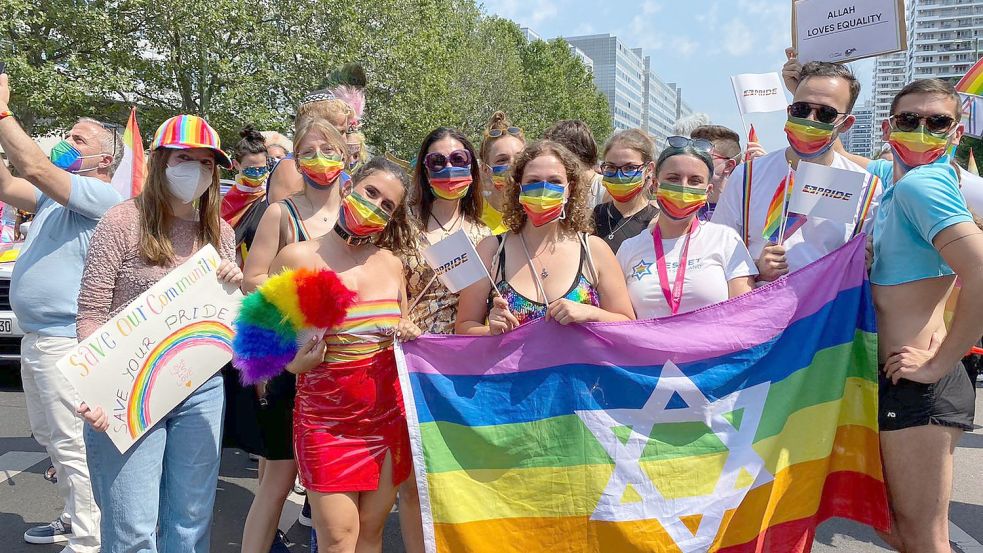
(607, 223)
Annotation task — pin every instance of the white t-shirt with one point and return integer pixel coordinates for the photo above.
(716, 256)
(813, 240)
(972, 189)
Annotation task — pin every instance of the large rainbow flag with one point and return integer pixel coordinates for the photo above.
(738, 427)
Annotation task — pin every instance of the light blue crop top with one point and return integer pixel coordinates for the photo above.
(912, 211)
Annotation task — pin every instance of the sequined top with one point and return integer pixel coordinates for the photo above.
(367, 329)
(115, 273)
(436, 312)
(525, 309)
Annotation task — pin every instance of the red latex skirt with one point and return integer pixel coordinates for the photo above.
(347, 417)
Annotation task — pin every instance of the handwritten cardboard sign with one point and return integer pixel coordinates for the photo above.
(158, 350)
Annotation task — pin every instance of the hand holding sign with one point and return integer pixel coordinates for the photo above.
(827, 192)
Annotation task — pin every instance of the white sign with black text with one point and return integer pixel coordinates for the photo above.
(759, 92)
(842, 31)
(456, 262)
(827, 192)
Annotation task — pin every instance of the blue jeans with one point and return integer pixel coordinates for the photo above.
(167, 479)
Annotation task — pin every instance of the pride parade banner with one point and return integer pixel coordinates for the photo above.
(158, 350)
(736, 428)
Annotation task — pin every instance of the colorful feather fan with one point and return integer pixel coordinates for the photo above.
(271, 318)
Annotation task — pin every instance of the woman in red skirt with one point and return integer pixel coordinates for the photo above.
(350, 437)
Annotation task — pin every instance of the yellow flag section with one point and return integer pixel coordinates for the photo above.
(735, 428)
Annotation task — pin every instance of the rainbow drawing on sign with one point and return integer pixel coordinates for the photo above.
(201, 334)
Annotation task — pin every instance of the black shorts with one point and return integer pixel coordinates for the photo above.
(276, 417)
(949, 402)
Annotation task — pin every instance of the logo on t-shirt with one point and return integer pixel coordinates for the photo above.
(641, 269)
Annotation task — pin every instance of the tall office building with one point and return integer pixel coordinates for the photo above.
(859, 139)
(619, 73)
(638, 98)
(945, 38)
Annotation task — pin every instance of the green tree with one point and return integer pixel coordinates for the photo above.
(967, 143)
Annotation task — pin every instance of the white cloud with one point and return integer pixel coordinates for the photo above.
(541, 10)
(650, 7)
(528, 12)
(738, 39)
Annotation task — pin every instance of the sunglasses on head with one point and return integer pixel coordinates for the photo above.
(436, 161)
(938, 123)
(824, 114)
(495, 133)
(682, 142)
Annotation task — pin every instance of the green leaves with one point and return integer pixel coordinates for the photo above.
(428, 63)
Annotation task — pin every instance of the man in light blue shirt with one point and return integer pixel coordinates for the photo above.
(923, 239)
(68, 193)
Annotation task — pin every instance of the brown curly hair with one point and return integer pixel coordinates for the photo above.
(579, 217)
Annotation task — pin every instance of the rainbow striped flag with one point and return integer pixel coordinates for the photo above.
(776, 208)
(129, 176)
(972, 81)
(738, 427)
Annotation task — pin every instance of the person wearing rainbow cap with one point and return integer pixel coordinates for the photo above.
(823, 98)
(68, 192)
(158, 496)
(924, 237)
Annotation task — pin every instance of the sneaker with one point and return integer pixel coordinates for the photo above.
(57, 531)
(305, 515)
(280, 543)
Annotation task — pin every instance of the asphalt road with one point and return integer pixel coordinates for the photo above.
(26, 499)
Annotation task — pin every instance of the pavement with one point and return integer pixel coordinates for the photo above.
(26, 499)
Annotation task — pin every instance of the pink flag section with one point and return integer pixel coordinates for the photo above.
(129, 176)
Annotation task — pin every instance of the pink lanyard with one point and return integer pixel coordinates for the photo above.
(674, 297)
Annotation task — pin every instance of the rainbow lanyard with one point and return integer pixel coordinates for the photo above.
(675, 296)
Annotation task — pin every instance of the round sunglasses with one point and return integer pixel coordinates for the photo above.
(436, 161)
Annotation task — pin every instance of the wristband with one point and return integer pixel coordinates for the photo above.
(5, 114)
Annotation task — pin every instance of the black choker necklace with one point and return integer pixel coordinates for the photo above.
(351, 239)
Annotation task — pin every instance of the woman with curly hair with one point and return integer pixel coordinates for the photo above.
(547, 264)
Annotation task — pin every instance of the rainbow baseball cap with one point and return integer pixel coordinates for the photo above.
(184, 132)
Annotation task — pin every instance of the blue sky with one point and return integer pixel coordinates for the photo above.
(697, 44)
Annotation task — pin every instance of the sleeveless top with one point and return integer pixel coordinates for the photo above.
(298, 231)
(368, 328)
(525, 309)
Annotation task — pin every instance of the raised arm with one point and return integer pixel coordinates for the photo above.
(17, 191)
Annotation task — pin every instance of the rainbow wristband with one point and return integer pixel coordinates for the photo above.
(5, 114)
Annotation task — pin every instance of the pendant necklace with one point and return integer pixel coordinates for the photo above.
(624, 221)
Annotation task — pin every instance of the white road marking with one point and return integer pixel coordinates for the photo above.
(13, 463)
(964, 541)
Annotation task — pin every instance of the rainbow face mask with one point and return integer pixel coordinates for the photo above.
(450, 183)
(917, 147)
(67, 157)
(808, 138)
(321, 171)
(252, 177)
(679, 201)
(500, 175)
(359, 219)
(621, 186)
(542, 201)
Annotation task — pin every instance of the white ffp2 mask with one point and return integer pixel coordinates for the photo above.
(188, 180)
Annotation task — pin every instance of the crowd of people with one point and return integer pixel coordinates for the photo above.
(648, 227)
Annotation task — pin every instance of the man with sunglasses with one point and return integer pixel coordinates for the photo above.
(819, 112)
(68, 193)
(923, 239)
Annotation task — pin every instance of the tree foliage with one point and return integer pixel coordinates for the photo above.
(428, 63)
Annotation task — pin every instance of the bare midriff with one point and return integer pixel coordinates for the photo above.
(909, 314)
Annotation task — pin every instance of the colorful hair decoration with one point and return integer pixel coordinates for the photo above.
(271, 318)
(355, 98)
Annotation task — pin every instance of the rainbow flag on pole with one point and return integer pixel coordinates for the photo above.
(129, 176)
(739, 427)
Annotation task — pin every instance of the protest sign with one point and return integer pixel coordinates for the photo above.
(827, 192)
(455, 262)
(759, 92)
(847, 31)
(158, 350)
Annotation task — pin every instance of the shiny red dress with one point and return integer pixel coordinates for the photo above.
(348, 414)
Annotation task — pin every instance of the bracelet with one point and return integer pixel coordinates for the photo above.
(5, 114)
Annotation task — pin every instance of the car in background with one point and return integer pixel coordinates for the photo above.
(10, 331)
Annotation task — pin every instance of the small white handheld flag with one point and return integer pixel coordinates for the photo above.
(759, 92)
(455, 262)
(827, 192)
